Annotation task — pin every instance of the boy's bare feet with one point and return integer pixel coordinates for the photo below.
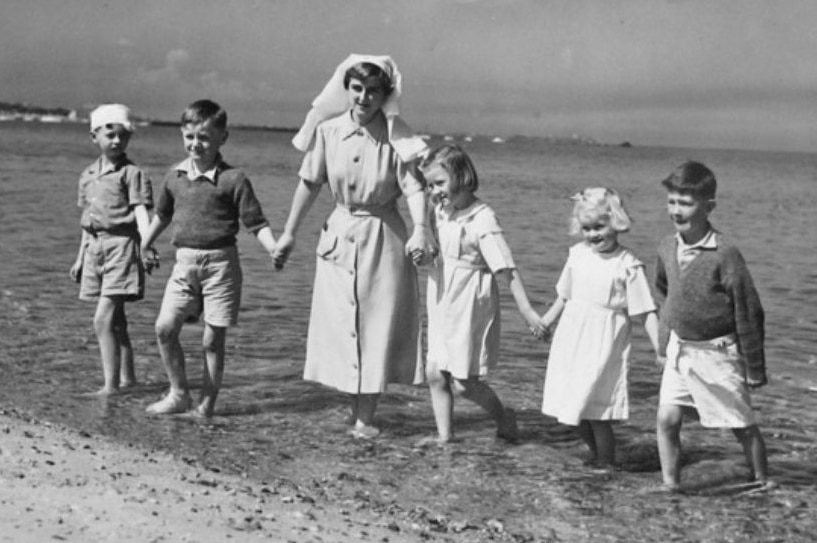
(104, 391)
(508, 429)
(433, 441)
(205, 408)
(127, 384)
(171, 404)
(364, 431)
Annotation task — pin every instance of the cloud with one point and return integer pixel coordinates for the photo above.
(181, 77)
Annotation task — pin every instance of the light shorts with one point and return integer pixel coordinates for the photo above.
(710, 377)
(112, 267)
(204, 281)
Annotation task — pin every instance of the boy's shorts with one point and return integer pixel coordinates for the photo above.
(708, 376)
(112, 267)
(204, 281)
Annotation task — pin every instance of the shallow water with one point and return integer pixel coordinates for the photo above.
(272, 426)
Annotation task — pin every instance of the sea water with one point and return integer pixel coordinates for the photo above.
(268, 421)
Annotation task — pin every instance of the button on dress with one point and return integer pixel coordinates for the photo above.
(364, 325)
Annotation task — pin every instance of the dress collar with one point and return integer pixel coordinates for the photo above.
(376, 130)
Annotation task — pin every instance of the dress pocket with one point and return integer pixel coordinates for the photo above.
(327, 246)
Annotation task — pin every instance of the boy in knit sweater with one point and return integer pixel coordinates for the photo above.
(711, 328)
(203, 200)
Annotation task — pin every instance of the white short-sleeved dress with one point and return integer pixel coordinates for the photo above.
(462, 294)
(364, 324)
(589, 355)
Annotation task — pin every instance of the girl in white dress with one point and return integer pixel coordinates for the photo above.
(462, 293)
(601, 288)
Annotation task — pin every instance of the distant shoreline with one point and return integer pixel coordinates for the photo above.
(11, 112)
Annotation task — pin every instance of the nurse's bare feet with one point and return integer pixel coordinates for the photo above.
(364, 431)
(171, 404)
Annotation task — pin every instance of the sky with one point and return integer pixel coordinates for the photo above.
(739, 74)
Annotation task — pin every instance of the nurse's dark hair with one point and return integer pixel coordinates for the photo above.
(692, 178)
(365, 70)
(457, 163)
(202, 111)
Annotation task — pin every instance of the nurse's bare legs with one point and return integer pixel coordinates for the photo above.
(366, 406)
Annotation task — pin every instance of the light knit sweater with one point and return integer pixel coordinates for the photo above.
(712, 297)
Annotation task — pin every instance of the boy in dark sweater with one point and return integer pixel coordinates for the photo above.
(711, 328)
(203, 199)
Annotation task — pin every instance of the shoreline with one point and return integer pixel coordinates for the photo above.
(59, 483)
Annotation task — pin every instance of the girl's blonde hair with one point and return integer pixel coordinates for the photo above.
(606, 202)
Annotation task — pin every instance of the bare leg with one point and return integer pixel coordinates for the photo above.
(109, 348)
(353, 409)
(670, 419)
(442, 402)
(587, 435)
(170, 348)
(754, 448)
(484, 396)
(127, 373)
(213, 343)
(605, 442)
(366, 406)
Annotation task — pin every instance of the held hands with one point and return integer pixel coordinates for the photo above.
(417, 246)
(660, 361)
(536, 325)
(283, 248)
(150, 259)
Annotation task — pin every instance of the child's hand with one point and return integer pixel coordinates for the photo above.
(76, 271)
(150, 259)
(535, 325)
(283, 248)
(417, 246)
(424, 258)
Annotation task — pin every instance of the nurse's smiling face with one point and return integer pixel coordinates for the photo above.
(367, 97)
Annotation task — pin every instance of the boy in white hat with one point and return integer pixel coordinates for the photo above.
(115, 196)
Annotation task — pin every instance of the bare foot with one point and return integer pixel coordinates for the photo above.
(127, 384)
(205, 408)
(364, 431)
(104, 391)
(508, 429)
(171, 404)
(664, 488)
(433, 441)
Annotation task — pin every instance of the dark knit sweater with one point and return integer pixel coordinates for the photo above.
(205, 214)
(714, 296)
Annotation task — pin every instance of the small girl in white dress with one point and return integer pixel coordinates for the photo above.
(601, 288)
(462, 294)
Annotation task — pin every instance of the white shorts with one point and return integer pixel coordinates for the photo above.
(708, 376)
(204, 281)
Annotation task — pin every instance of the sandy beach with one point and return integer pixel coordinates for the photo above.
(59, 484)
